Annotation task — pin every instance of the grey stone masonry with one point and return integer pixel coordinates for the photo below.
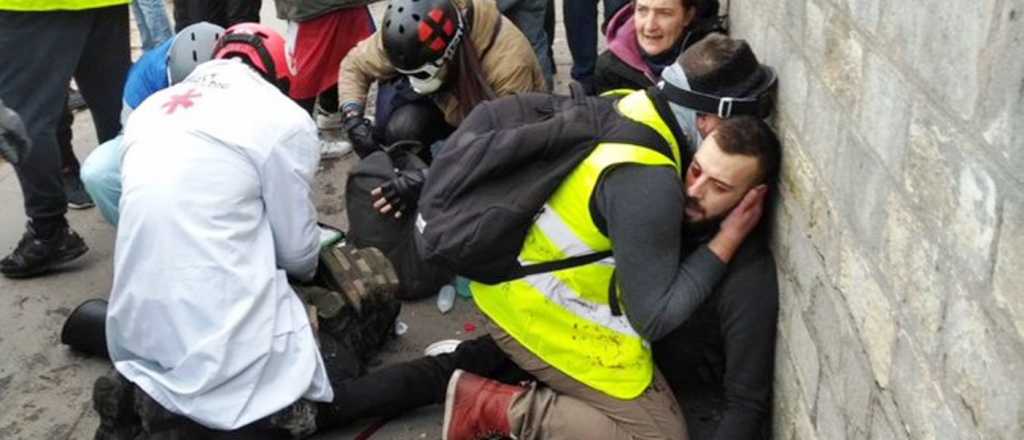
(899, 233)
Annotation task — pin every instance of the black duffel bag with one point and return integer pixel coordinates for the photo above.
(394, 237)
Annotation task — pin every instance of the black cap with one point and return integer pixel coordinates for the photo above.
(736, 73)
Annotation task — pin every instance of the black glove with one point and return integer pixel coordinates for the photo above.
(403, 191)
(14, 140)
(360, 133)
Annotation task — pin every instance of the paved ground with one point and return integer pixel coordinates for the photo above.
(45, 388)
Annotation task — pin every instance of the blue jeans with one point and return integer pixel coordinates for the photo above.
(581, 32)
(528, 16)
(154, 26)
(101, 174)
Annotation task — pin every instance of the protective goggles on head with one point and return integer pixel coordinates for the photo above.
(759, 102)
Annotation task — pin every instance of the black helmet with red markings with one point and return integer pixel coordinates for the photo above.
(420, 37)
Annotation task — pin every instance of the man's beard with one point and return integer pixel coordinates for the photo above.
(703, 228)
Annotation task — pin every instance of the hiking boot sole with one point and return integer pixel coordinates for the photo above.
(360, 275)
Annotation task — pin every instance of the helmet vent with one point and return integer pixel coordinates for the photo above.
(416, 17)
(401, 9)
(387, 23)
(401, 29)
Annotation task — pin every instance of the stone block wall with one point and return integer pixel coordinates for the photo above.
(900, 226)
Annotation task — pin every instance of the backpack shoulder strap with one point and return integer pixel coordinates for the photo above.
(628, 131)
(552, 266)
(577, 92)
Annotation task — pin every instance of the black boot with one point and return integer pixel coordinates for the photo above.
(38, 253)
(112, 397)
(74, 191)
(367, 282)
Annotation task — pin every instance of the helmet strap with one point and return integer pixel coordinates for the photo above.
(257, 43)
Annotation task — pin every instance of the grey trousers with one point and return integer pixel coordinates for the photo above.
(561, 407)
(529, 16)
(42, 51)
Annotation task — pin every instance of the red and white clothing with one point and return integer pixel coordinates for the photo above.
(317, 46)
(216, 213)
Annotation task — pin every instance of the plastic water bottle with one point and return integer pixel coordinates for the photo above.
(446, 298)
(462, 287)
(329, 237)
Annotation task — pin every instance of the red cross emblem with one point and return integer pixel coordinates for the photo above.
(432, 31)
(184, 101)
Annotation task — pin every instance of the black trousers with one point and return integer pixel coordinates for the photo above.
(69, 164)
(42, 51)
(402, 114)
(395, 389)
(224, 13)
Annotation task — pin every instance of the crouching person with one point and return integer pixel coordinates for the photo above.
(450, 54)
(166, 65)
(592, 368)
(584, 332)
(216, 215)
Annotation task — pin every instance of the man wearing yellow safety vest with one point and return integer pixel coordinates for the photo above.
(560, 327)
(44, 44)
(584, 332)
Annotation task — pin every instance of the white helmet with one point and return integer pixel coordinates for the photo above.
(191, 47)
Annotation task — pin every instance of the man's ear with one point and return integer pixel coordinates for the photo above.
(706, 124)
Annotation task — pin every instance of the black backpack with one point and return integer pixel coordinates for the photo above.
(500, 167)
(394, 237)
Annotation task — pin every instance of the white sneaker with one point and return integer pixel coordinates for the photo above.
(334, 149)
(327, 121)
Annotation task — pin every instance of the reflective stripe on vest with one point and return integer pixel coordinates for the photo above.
(56, 5)
(564, 317)
(638, 107)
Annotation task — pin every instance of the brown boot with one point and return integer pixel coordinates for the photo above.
(476, 407)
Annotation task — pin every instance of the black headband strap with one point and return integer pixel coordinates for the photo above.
(724, 106)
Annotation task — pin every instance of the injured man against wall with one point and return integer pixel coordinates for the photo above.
(210, 339)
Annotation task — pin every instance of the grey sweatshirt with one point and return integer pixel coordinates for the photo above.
(640, 208)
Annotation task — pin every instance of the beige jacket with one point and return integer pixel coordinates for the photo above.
(508, 62)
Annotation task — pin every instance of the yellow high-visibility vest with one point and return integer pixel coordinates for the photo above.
(57, 5)
(564, 317)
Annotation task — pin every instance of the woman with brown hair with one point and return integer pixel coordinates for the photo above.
(648, 35)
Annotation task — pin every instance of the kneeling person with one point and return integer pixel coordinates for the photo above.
(216, 215)
(598, 378)
(166, 65)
